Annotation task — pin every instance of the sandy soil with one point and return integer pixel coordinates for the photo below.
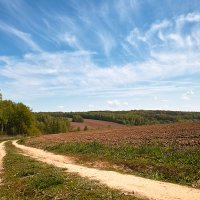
(2, 154)
(141, 187)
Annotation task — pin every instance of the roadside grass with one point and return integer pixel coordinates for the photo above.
(152, 161)
(25, 178)
(6, 137)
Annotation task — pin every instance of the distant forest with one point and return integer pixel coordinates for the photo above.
(134, 117)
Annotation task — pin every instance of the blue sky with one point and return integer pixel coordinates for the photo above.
(80, 55)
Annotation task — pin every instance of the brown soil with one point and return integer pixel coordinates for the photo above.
(180, 134)
(94, 124)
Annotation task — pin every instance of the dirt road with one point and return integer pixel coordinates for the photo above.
(141, 187)
(2, 154)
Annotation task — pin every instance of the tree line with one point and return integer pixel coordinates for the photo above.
(134, 117)
(49, 124)
(17, 118)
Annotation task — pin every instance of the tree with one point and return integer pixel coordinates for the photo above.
(49, 124)
(77, 118)
(1, 96)
(24, 119)
(16, 118)
(7, 111)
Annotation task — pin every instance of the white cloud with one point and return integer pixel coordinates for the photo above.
(135, 36)
(107, 41)
(170, 51)
(75, 73)
(159, 26)
(113, 102)
(169, 34)
(25, 37)
(116, 102)
(189, 18)
(187, 95)
(70, 39)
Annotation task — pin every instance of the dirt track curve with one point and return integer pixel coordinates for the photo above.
(141, 187)
(2, 154)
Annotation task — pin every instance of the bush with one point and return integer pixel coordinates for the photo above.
(85, 128)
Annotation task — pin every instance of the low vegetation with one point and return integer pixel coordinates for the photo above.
(152, 161)
(25, 178)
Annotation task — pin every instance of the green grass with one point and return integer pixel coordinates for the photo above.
(152, 161)
(6, 137)
(25, 178)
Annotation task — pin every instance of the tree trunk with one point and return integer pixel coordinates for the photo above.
(2, 127)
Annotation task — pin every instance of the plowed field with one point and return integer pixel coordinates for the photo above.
(180, 134)
(95, 124)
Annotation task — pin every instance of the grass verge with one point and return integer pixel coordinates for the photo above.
(152, 161)
(6, 137)
(25, 178)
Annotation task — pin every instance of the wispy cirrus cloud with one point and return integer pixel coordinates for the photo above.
(108, 42)
(25, 37)
(106, 49)
(59, 70)
(169, 34)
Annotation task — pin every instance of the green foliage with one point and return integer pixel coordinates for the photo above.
(49, 124)
(16, 118)
(77, 118)
(152, 161)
